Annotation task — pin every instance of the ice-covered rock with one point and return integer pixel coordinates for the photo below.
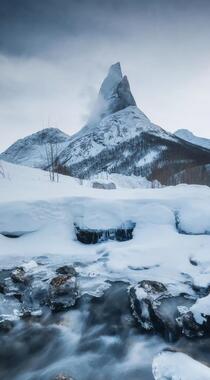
(32, 288)
(63, 292)
(156, 309)
(195, 321)
(92, 236)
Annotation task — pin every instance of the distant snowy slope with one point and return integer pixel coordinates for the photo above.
(187, 135)
(37, 180)
(31, 150)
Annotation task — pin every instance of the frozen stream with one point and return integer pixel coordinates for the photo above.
(98, 338)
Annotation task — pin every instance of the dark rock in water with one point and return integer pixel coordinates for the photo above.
(19, 276)
(4, 275)
(63, 292)
(1, 288)
(156, 309)
(6, 325)
(32, 292)
(67, 269)
(191, 328)
(93, 236)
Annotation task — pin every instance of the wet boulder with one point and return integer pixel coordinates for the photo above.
(4, 276)
(30, 289)
(63, 292)
(18, 275)
(6, 324)
(191, 328)
(195, 321)
(24, 274)
(67, 270)
(156, 309)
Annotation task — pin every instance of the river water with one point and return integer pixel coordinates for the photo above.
(97, 339)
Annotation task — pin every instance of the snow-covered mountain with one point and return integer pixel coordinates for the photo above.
(33, 150)
(187, 135)
(118, 138)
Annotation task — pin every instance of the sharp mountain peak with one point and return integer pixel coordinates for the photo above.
(114, 94)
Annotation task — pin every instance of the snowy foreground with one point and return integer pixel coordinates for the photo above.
(170, 245)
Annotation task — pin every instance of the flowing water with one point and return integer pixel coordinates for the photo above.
(98, 338)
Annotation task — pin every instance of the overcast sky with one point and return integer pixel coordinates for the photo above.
(55, 53)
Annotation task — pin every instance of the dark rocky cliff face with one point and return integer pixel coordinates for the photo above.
(175, 162)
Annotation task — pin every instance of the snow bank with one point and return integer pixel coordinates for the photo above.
(201, 309)
(44, 214)
(194, 218)
(121, 181)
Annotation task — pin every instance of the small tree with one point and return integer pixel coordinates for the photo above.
(2, 170)
(51, 153)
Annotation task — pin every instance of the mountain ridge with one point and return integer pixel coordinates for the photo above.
(31, 150)
(187, 135)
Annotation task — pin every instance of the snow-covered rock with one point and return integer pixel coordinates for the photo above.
(122, 181)
(105, 186)
(178, 366)
(195, 321)
(156, 309)
(194, 218)
(92, 236)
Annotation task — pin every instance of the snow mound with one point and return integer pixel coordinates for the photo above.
(194, 218)
(122, 181)
(201, 309)
(178, 366)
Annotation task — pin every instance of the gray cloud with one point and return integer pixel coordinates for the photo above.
(54, 54)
